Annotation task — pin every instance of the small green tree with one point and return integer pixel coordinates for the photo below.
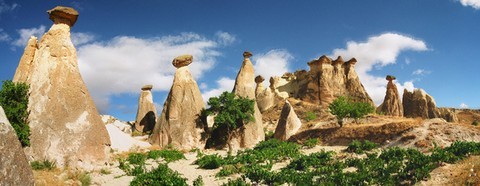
(232, 113)
(343, 107)
(14, 100)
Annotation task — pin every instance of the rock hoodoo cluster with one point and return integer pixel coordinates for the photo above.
(419, 104)
(391, 104)
(288, 124)
(146, 113)
(64, 122)
(325, 81)
(179, 124)
(251, 133)
(14, 167)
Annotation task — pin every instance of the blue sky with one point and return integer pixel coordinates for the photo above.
(122, 45)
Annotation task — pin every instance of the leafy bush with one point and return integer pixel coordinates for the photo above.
(105, 171)
(475, 123)
(359, 147)
(343, 107)
(269, 135)
(209, 161)
(137, 158)
(310, 143)
(42, 165)
(237, 182)
(310, 116)
(14, 100)
(162, 175)
(169, 155)
(198, 181)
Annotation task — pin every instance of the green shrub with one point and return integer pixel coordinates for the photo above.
(237, 182)
(228, 170)
(42, 165)
(344, 107)
(269, 135)
(169, 155)
(162, 175)
(310, 116)
(198, 181)
(310, 143)
(137, 158)
(475, 123)
(210, 161)
(359, 147)
(14, 100)
(105, 171)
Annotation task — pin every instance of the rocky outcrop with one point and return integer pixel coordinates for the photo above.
(448, 114)
(419, 104)
(265, 97)
(179, 124)
(252, 132)
(14, 167)
(146, 113)
(64, 122)
(391, 105)
(288, 124)
(324, 82)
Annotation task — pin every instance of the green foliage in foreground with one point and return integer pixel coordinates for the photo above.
(343, 107)
(134, 164)
(310, 116)
(43, 165)
(310, 143)
(162, 175)
(169, 155)
(14, 100)
(359, 147)
(210, 161)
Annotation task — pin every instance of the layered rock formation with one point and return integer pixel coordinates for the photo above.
(419, 104)
(288, 124)
(14, 167)
(146, 113)
(65, 125)
(326, 80)
(252, 132)
(180, 124)
(391, 104)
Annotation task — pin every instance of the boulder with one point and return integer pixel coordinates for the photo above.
(288, 124)
(180, 124)
(146, 113)
(391, 105)
(419, 104)
(14, 167)
(182, 61)
(252, 132)
(65, 124)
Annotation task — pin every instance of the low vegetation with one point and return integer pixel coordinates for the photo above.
(344, 107)
(162, 175)
(134, 164)
(43, 165)
(310, 143)
(14, 100)
(310, 116)
(475, 123)
(360, 147)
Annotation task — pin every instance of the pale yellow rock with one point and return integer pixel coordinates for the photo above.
(14, 167)
(64, 122)
(146, 113)
(179, 124)
(391, 105)
(252, 132)
(24, 67)
(288, 123)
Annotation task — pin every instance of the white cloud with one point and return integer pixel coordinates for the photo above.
(379, 51)
(223, 84)
(225, 38)
(421, 72)
(473, 3)
(407, 61)
(80, 38)
(463, 106)
(273, 63)
(25, 34)
(4, 36)
(124, 63)
(4, 7)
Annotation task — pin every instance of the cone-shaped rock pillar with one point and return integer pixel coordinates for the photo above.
(146, 113)
(64, 122)
(391, 105)
(245, 85)
(288, 124)
(180, 124)
(14, 167)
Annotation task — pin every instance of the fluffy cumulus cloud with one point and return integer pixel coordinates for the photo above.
(273, 63)
(473, 3)
(223, 84)
(463, 105)
(379, 51)
(25, 33)
(124, 64)
(80, 38)
(225, 38)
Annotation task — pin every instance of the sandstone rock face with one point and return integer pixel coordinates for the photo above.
(146, 113)
(252, 132)
(288, 124)
(448, 114)
(23, 69)
(326, 80)
(391, 104)
(419, 104)
(180, 124)
(14, 167)
(64, 122)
